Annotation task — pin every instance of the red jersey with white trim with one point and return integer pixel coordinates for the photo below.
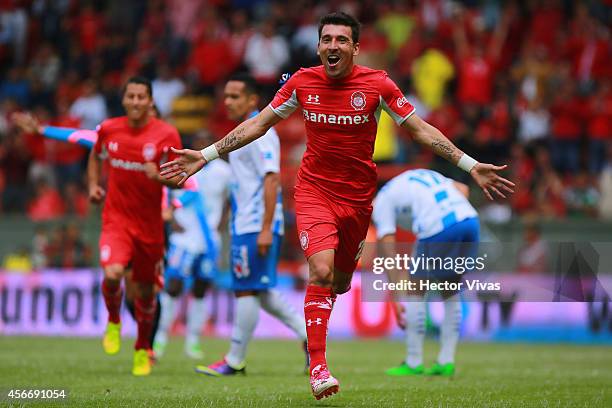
(341, 118)
(133, 200)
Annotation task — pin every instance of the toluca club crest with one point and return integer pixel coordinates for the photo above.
(304, 240)
(358, 100)
(148, 151)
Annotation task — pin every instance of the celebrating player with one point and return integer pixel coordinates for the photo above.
(192, 253)
(341, 103)
(132, 227)
(257, 229)
(436, 209)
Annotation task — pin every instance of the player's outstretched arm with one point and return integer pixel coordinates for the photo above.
(484, 174)
(190, 161)
(29, 124)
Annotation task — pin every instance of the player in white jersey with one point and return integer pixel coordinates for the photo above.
(257, 229)
(436, 209)
(193, 253)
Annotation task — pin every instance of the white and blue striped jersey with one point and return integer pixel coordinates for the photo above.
(201, 210)
(423, 201)
(249, 165)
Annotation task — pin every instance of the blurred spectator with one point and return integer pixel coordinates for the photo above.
(47, 203)
(533, 255)
(69, 87)
(14, 163)
(66, 157)
(14, 28)
(548, 191)
(18, 261)
(533, 123)
(166, 87)
(605, 186)
(211, 58)
(266, 54)
(240, 33)
(567, 117)
(76, 199)
(581, 196)
(190, 110)
(73, 252)
(15, 86)
(477, 60)
(90, 107)
(45, 66)
(40, 242)
(431, 72)
(532, 72)
(599, 126)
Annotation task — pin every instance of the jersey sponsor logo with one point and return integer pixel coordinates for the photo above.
(126, 165)
(358, 100)
(148, 151)
(113, 146)
(313, 99)
(304, 240)
(335, 119)
(401, 102)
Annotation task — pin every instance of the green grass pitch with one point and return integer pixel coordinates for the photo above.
(489, 375)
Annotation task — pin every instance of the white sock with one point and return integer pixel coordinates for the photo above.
(415, 330)
(245, 321)
(273, 302)
(166, 318)
(196, 316)
(449, 332)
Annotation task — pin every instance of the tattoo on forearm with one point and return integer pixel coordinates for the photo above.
(231, 141)
(446, 149)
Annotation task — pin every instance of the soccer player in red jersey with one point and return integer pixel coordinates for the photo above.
(132, 227)
(341, 103)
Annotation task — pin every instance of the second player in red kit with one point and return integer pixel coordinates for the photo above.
(132, 146)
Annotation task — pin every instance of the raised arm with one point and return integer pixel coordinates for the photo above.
(191, 161)
(484, 174)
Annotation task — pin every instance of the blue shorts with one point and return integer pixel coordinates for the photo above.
(447, 252)
(184, 265)
(250, 271)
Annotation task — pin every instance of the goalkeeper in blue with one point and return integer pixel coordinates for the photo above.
(446, 225)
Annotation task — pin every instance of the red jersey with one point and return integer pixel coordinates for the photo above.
(133, 200)
(340, 117)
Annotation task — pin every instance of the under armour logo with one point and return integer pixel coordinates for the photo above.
(316, 321)
(113, 146)
(314, 99)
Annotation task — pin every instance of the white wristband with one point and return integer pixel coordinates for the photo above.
(466, 163)
(210, 153)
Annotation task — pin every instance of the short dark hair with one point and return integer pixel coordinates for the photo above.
(250, 84)
(141, 81)
(341, 18)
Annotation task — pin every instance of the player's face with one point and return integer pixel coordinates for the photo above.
(137, 102)
(237, 101)
(337, 50)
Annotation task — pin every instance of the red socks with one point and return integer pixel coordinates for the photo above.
(111, 290)
(145, 314)
(318, 305)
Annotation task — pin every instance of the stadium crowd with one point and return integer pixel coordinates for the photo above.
(526, 83)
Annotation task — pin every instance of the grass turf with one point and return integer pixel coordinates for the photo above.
(489, 375)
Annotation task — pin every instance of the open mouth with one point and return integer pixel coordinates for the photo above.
(333, 60)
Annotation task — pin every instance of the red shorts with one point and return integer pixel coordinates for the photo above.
(324, 224)
(118, 245)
